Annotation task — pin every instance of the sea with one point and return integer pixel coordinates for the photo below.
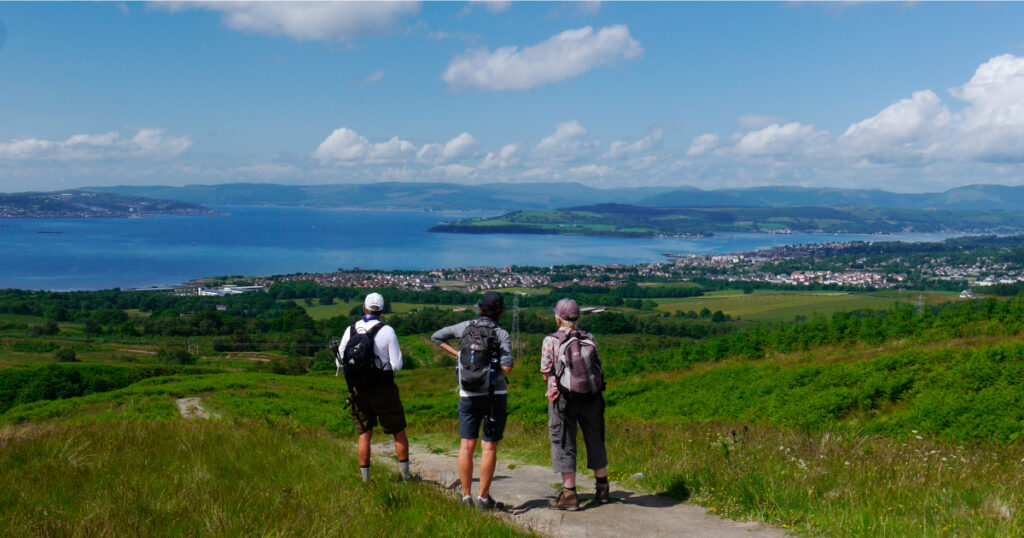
(103, 253)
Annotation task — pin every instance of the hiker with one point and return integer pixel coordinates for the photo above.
(575, 382)
(483, 358)
(370, 356)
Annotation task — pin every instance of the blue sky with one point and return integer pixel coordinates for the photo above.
(906, 97)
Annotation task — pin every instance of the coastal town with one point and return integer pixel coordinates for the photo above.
(831, 264)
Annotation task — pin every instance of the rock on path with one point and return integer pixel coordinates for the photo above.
(526, 489)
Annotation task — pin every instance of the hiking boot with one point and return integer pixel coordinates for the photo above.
(566, 501)
(602, 493)
(488, 505)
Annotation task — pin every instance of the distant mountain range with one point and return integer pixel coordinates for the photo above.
(536, 196)
(392, 195)
(82, 204)
(966, 198)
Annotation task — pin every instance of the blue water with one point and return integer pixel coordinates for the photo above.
(168, 250)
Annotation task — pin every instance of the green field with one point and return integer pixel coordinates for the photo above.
(762, 305)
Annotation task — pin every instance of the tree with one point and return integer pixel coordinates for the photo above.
(65, 354)
(175, 355)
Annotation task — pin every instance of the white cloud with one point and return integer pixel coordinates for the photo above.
(343, 144)
(567, 143)
(566, 55)
(590, 170)
(902, 128)
(992, 126)
(374, 77)
(347, 146)
(308, 20)
(393, 149)
(507, 156)
(147, 143)
(457, 170)
(458, 146)
(624, 148)
(702, 144)
(494, 6)
(778, 140)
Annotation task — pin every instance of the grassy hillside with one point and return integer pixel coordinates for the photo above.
(899, 423)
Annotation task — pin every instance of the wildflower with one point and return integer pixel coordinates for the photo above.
(846, 463)
(919, 437)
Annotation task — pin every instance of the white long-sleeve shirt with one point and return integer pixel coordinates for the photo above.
(385, 344)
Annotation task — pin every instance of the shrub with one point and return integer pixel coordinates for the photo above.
(65, 354)
(175, 355)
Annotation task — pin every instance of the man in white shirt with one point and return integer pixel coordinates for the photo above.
(375, 397)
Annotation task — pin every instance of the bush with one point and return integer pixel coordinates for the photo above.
(65, 354)
(175, 355)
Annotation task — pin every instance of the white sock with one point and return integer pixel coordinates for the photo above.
(365, 472)
(404, 467)
(483, 499)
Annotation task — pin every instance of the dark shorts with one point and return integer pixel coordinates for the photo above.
(378, 404)
(471, 415)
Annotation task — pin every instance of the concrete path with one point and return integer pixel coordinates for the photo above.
(526, 489)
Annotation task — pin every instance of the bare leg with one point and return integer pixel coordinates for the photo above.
(601, 473)
(488, 460)
(466, 450)
(364, 448)
(402, 446)
(568, 480)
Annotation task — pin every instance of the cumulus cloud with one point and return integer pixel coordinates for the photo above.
(567, 143)
(992, 126)
(508, 156)
(308, 20)
(566, 55)
(455, 148)
(779, 140)
(457, 170)
(146, 143)
(625, 148)
(907, 127)
(347, 146)
(702, 145)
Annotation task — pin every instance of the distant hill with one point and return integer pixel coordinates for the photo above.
(622, 220)
(538, 196)
(394, 195)
(81, 204)
(970, 197)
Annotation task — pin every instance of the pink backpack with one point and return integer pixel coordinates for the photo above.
(577, 366)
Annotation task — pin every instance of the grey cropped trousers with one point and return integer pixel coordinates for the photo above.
(563, 417)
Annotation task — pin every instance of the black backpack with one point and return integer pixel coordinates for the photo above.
(478, 356)
(359, 359)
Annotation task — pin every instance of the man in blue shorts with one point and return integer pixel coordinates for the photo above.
(485, 350)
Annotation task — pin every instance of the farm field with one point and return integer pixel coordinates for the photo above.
(763, 305)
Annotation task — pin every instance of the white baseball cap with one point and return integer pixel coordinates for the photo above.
(374, 302)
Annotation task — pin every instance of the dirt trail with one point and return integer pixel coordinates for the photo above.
(526, 489)
(191, 408)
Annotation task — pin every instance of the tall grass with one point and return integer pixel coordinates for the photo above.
(131, 478)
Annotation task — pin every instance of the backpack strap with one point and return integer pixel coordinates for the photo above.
(372, 335)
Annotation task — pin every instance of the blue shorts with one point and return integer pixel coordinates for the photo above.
(472, 411)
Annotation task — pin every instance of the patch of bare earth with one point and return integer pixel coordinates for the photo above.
(191, 408)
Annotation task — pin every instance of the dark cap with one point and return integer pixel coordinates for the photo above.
(491, 301)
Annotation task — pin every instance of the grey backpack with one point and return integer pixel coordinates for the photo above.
(577, 366)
